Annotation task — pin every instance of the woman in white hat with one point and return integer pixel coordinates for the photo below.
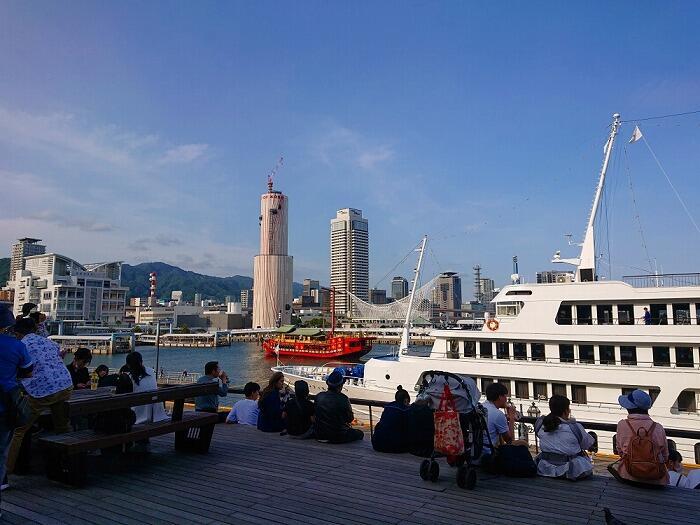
(641, 443)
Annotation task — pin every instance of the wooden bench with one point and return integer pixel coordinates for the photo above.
(65, 455)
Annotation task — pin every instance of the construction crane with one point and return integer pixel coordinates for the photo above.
(274, 171)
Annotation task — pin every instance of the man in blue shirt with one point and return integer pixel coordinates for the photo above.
(210, 403)
(14, 362)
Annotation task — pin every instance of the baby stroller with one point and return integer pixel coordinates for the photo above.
(472, 419)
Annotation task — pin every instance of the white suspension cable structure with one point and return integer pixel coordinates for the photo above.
(396, 311)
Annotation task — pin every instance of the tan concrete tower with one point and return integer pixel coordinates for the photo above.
(272, 273)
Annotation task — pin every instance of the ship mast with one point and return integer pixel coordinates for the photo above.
(406, 333)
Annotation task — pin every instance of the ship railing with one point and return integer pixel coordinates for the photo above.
(664, 280)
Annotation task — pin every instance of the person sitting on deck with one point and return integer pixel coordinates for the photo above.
(391, 433)
(421, 428)
(144, 380)
(299, 412)
(641, 443)
(48, 389)
(563, 443)
(245, 411)
(210, 403)
(104, 378)
(500, 428)
(78, 368)
(271, 405)
(675, 470)
(334, 413)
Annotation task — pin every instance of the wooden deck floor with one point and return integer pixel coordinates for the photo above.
(251, 478)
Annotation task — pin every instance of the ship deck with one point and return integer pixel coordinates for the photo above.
(250, 477)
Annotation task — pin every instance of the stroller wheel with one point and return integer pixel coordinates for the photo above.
(434, 471)
(425, 469)
(466, 478)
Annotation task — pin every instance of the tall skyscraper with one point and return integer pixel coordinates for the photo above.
(246, 299)
(25, 247)
(272, 272)
(349, 258)
(399, 288)
(447, 295)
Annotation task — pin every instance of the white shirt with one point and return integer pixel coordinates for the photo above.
(244, 412)
(145, 412)
(563, 441)
(676, 479)
(497, 424)
(49, 375)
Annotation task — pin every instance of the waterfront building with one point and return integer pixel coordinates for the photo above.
(144, 314)
(272, 272)
(554, 276)
(25, 247)
(399, 288)
(447, 296)
(66, 290)
(349, 258)
(487, 289)
(377, 296)
(246, 299)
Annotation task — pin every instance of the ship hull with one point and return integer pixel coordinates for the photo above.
(335, 347)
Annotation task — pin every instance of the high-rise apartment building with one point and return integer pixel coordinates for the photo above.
(447, 296)
(66, 290)
(377, 296)
(487, 289)
(246, 299)
(272, 272)
(25, 247)
(554, 276)
(349, 258)
(399, 288)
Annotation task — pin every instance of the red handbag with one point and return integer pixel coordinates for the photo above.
(448, 432)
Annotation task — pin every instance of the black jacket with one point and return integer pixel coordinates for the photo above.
(333, 415)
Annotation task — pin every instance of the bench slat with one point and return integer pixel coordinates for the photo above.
(74, 442)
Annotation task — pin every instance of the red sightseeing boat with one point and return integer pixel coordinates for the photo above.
(289, 340)
(312, 342)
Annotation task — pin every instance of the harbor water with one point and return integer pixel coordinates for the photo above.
(242, 362)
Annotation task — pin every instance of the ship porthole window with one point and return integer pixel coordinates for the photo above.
(387, 376)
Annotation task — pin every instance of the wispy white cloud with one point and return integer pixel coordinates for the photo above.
(339, 144)
(82, 223)
(143, 244)
(371, 158)
(184, 154)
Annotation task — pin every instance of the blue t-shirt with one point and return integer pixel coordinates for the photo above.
(497, 424)
(13, 356)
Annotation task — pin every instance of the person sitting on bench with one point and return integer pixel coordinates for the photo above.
(210, 403)
(78, 368)
(563, 443)
(334, 413)
(144, 380)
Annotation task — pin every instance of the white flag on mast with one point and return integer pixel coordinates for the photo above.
(636, 135)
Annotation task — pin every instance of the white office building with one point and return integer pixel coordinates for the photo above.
(66, 290)
(349, 258)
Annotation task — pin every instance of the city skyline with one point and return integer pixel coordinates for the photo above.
(470, 125)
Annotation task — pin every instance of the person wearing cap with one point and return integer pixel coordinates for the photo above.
(48, 389)
(14, 362)
(334, 413)
(637, 403)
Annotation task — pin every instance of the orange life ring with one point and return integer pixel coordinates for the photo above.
(492, 324)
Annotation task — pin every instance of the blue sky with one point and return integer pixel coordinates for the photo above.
(145, 130)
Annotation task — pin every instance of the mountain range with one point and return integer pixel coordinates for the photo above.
(173, 278)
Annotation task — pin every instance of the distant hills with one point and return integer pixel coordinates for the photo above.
(173, 278)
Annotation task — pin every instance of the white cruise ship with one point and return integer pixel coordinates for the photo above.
(586, 339)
